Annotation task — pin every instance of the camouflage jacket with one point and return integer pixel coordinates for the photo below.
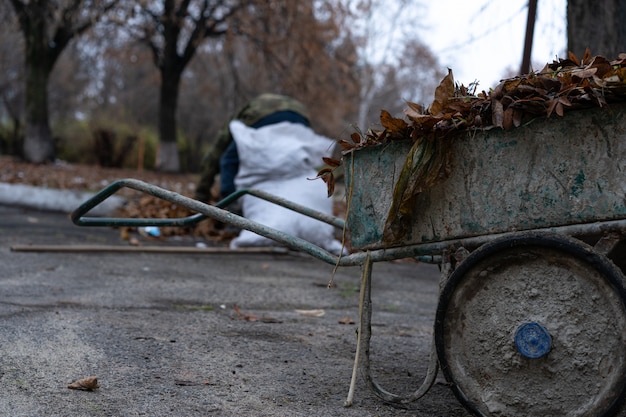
(256, 109)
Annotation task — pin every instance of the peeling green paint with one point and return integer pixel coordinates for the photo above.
(502, 145)
(555, 172)
(579, 182)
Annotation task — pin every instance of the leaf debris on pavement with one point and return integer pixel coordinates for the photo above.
(239, 315)
(311, 313)
(85, 384)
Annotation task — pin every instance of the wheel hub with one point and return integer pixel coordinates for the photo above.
(532, 340)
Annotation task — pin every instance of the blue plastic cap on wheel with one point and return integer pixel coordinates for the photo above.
(532, 340)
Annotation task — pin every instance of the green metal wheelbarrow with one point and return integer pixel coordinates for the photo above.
(527, 231)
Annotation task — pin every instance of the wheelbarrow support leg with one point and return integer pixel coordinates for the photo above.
(366, 279)
(363, 345)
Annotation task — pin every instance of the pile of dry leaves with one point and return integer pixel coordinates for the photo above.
(566, 84)
(150, 207)
(563, 85)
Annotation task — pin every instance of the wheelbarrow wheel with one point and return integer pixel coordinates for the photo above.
(534, 325)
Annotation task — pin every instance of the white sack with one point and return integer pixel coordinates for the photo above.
(281, 159)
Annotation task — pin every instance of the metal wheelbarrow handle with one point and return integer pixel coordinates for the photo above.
(204, 211)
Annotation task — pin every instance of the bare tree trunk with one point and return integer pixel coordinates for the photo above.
(168, 159)
(597, 25)
(48, 26)
(38, 145)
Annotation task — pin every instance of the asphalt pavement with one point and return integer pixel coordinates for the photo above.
(200, 334)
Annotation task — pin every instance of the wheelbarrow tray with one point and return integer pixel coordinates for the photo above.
(551, 172)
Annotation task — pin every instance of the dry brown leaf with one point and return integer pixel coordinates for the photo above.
(559, 108)
(508, 86)
(345, 145)
(517, 117)
(392, 124)
(85, 384)
(244, 316)
(326, 174)
(573, 57)
(333, 163)
(578, 75)
(565, 101)
(188, 383)
(269, 319)
(412, 113)
(311, 313)
(443, 92)
(497, 113)
(552, 106)
(586, 57)
(615, 78)
(507, 121)
(415, 107)
(602, 66)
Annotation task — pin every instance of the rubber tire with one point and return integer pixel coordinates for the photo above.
(480, 360)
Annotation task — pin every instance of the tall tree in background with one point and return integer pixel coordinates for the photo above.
(307, 49)
(597, 25)
(48, 27)
(11, 80)
(173, 30)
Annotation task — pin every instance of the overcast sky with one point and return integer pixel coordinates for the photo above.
(484, 39)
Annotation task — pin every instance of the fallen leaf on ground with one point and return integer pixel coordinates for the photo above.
(346, 320)
(311, 313)
(86, 384)
(251, 317)
(244, 316)
(187, 383)
(268, 319)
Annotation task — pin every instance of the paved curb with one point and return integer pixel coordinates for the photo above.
(47, 199)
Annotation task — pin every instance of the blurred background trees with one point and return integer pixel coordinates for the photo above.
(147, 83)
(47, 28)
(173, 31)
